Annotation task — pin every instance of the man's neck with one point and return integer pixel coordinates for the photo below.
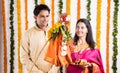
(43, 28)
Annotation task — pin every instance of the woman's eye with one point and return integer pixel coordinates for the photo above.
(82, 27)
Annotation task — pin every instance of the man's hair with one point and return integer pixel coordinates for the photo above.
(40, 7)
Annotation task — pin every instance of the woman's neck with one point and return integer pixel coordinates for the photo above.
(82, 41)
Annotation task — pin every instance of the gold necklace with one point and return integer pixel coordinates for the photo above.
(81, 47)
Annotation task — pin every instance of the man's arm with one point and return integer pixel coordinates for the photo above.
(25, 52)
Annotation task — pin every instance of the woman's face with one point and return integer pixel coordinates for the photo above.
(81, 30)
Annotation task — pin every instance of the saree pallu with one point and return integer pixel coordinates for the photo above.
(92, 56)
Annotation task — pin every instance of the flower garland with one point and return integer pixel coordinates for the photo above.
(88, 9)
(19, 34)
(26, 14)
(4, 36)
(68, 10)
(42, 2)
(107, 37)
(60, 6)
(68, 2)
(52, 6)
(36, 1)
(115, 33)
(12, 48)
(78, 9)
(98, 31)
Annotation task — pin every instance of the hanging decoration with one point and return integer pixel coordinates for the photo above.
(88, 9)
(42, 2)
(12, 48)
(115, 33)
(19, 34)
(68, 10)
(26, 14)
(4, 35)
(78, 9)
(108, 36)
(98, 31)
(36, 2)
(60, 6)
(52, 6)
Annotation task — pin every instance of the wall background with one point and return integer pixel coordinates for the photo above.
(73, 13)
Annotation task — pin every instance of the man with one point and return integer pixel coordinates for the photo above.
(33, 47)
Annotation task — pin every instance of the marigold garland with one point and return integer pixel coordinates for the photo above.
(26, 14)
(68, 10)
(88, 9)
(52, 6)
(19, 34)
(4, 36)
(115, 33)
(78, 9)
(98, 31)
(12, 48)
(42, 2)
(107, 36)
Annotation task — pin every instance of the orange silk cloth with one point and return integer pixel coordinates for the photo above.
(53, 54)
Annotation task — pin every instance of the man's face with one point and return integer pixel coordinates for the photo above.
(42, 19)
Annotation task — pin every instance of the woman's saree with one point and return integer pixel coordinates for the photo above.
(92, 56)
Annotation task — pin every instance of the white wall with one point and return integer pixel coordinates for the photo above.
(73, 23)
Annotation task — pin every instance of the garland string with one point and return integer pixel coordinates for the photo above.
(98, 31)
(26, 14)
(115, 33)
(12, 48)
(36, 1)
(60, 6)
(19, 34)
(78, 9)
(68, 10)
(107, 37)
(52, 6)
(4, 36)
(88, 9)
(42, 2)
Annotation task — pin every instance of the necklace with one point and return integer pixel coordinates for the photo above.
(81, 47)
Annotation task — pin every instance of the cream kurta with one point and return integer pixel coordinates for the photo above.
(32, 43)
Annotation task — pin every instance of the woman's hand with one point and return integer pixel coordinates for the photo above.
(95, 68)
(83, 63)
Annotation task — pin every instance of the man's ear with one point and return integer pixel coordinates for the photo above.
(35, 17)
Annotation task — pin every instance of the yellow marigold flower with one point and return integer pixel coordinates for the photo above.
(53, 28)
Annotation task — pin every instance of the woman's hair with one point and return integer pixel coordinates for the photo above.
(89, 37)
(40, 7)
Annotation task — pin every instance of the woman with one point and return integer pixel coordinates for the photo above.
(85, 56)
